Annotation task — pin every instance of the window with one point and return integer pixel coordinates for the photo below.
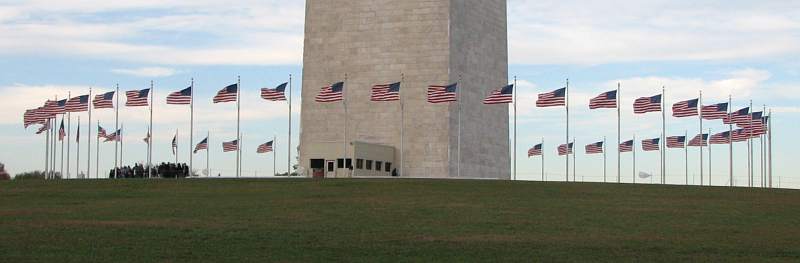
(359, 163)
(349, 163)
(388, 167)
(369, 165)
(340, 163)
(330, 167)
(378, 165)
(317, 163)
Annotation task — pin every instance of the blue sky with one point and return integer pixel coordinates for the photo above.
(745, 48)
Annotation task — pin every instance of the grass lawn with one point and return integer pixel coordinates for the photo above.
(392, 220)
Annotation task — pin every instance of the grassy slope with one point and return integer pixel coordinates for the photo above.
(406, 220)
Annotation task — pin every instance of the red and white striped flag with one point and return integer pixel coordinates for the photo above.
(276, 94)
(651, 144)
(137, 98)
(594, 148)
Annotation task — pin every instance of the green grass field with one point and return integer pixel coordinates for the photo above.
(392, 220)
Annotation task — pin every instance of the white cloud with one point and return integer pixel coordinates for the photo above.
(146, 72)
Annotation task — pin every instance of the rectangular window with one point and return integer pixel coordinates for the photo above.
(340, 163)
(378, 165)
(388, 167)
(330, 167)
(349, 163)
(369, 165)
(359, 163)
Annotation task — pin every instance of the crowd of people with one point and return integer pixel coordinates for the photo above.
(163, 170)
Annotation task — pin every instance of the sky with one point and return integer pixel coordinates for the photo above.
(747, 49)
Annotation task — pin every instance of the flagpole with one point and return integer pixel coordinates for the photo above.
(274, 155)
(619, 132)
(663, 135)
(515, 127)
(150, 129)
(574, 159)
(686, 154)
(458, 164)
(116, 141)
(208, 150)
(750, 148)
(709, 158)
(55, 144)
(62, 148)
(89, 138)
(47, 151)
(769, 136)
(121, 138)
(700, 114)
(763, 145)
(730, 140)
(191, 128)
(542, 149)
(78, 150)
(402, 128)
(69, 131)
(633, 148)
(238, 130)
(176, 149)
(344, 140)
(566, 159)
(289, 137)
(88, 148)
(605, 170)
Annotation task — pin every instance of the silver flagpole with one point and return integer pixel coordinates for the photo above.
(543, 177)
(89, 138)
(208, 152)
(62, 148)
(176, 149)
(458, 164)
(663, 134)
(574, 159)
(402, 127)
(730, 140)
(605, 170)
(686, 153)
(47, 151)
(344, 140)
(121, 138)
(709, 158)
(97, 163)
(566, 98)
(700, 114)
(763, 155)
(633, 149)
(238, 130)
(274, 155)
(191, 128)
(289, 137)
(116, 128)
(69, 132)
(78, 151)
(515, 127)
(769, 136)
(150, 129)
(619, 132)
(750, 148)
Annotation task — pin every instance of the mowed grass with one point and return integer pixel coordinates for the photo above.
(392, 220)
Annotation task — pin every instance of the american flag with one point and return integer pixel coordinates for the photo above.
(565, 149)
(647, 104)
(276, 94)
(594, 148)
(651, 144)
(626, 146)
(676, 141)
(104, 101)
(554, 98)
(61, 132)
(45, 127)
(116, 136)
(503, 95)
(441, 94)
(181, 97)
(101, 133)
(50, 109)
(386, 92)
(227, 94)
(33, 116)
(147, 138)
(332, 93)
(137, 98)
(756, 119)
(740, 135)
(760, 128)
(607, 100)
(720, 138)
(61, 106)
(203, 145)
(715, 112)
(174, 143)
(685, 108)
(77, 104)
(535, 151)
(699, 140)
(230, 146)
(737, 117)
(265, 148)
